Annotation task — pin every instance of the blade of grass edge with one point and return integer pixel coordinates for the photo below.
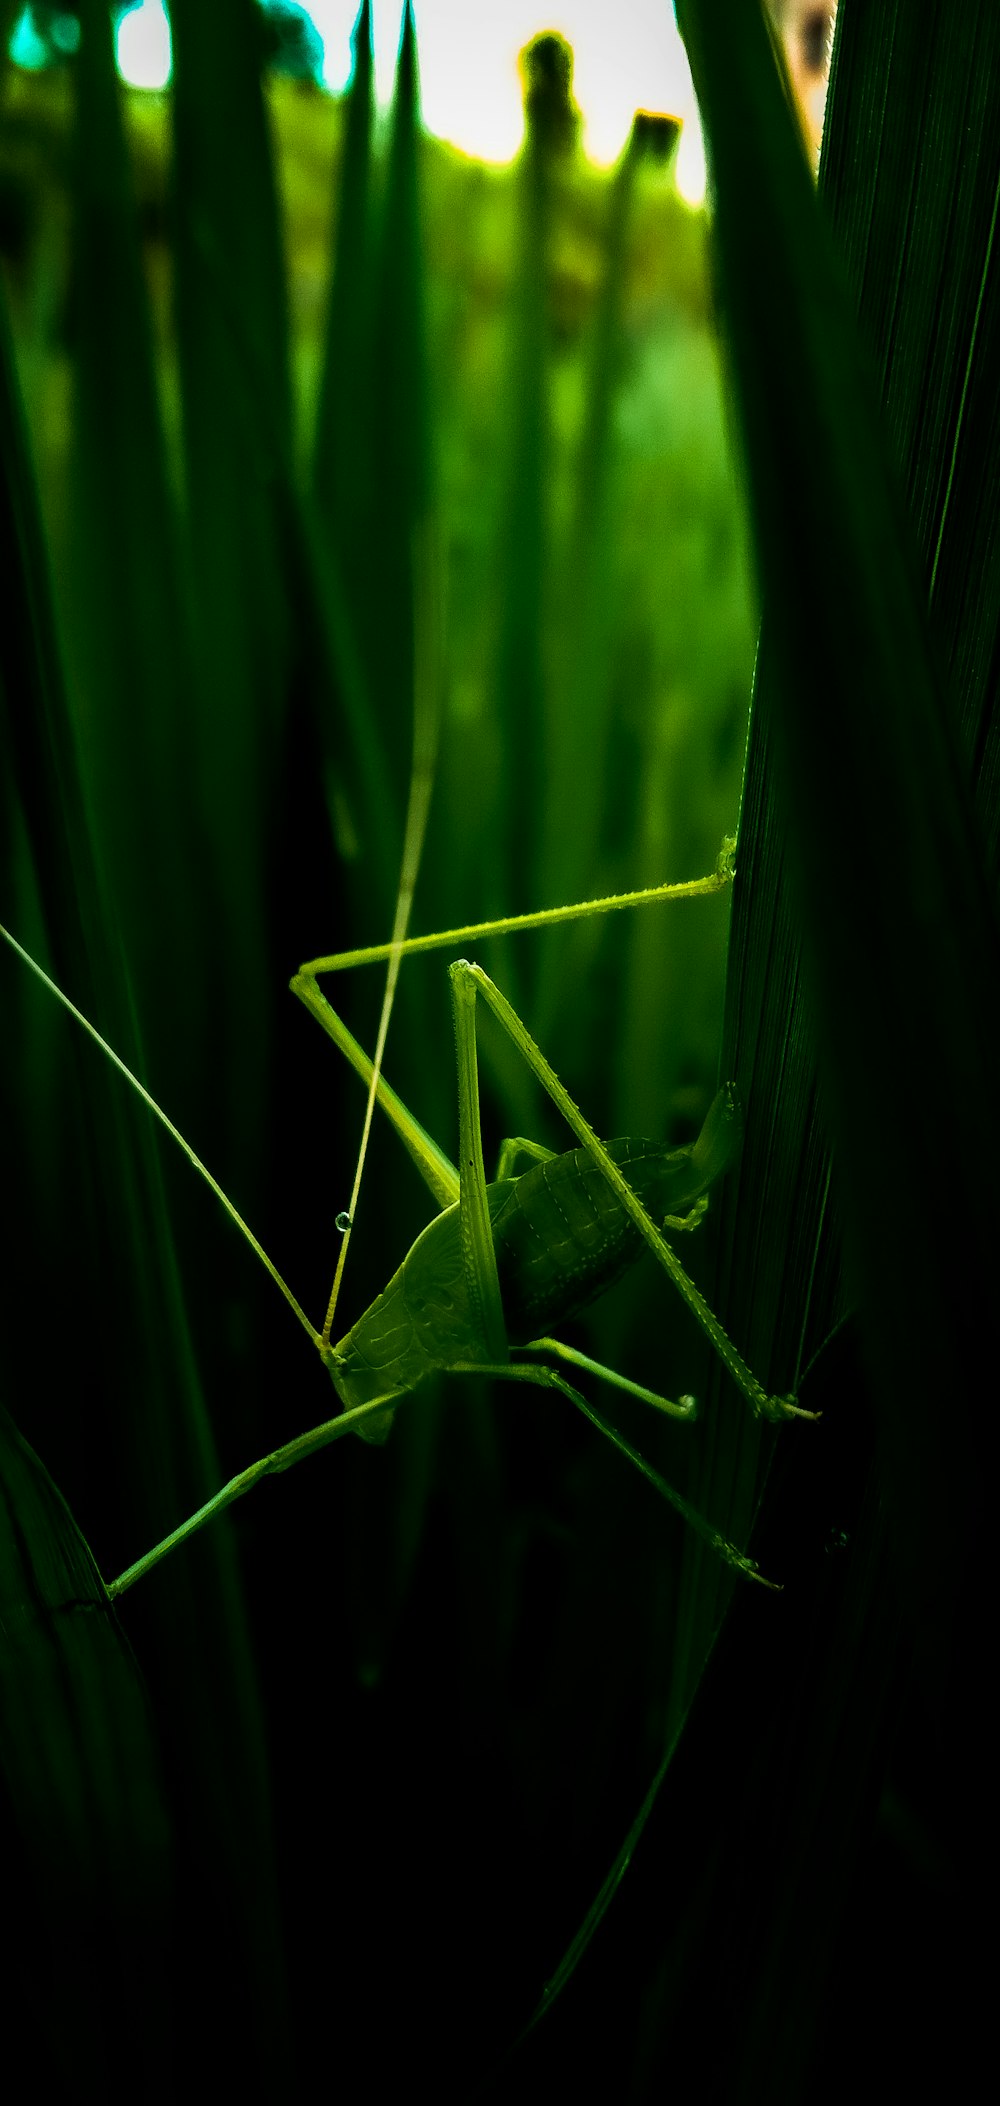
(804, 1158)
(900, 940)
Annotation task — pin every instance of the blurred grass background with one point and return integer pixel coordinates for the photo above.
(403, 1704)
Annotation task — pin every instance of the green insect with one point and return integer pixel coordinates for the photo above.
(501, 1262)
(558, 1237)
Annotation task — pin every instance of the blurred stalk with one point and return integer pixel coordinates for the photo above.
(232, 330)
(574, 753)
(520, 676)
(858, 842)
(777, 1899)
(132, 654)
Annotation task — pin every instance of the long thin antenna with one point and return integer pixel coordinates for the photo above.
(173, 1131)
(428, 629)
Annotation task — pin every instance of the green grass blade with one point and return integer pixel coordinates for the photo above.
(342, 481)
(232, 332)
(520, 685)
(857, 839)
(400, 439)
(37, 739)
(92, 1272)
(339, 469)
(88, 1874)
(128, 630)
(889, 884)
(578, 717)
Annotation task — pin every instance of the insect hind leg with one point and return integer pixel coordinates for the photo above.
(543, 1377)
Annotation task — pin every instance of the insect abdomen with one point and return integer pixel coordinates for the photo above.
(562, 1236)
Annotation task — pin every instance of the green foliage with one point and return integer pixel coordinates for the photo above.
(85, 1833)
(262, 340)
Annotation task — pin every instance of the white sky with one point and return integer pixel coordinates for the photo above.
(627, 53)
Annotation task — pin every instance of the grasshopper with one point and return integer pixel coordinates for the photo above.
(501, 1261)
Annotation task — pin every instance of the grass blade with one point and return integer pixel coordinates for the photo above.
(87, 1868)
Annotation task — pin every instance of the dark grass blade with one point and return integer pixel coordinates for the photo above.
(86, 1832)
(887, 868)
(368, 805)
(857, 832)
(520, 685)
(931, 328)
(37, 740)
(888, 884)
(339, 470)
(376, 472)
(578, 718)
(344, 482)
(128, 619)
(919, 236)
(232, 324)
(900, 948)
(500, 856)
(192, 748)
(400, 433)
(92, 1283)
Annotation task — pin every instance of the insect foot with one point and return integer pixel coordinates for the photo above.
(725, 868)
(781, 1408)
(688, 1221)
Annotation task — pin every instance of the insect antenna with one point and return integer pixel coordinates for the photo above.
(427, 656)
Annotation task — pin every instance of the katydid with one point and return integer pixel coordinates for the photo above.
(501, 1261)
